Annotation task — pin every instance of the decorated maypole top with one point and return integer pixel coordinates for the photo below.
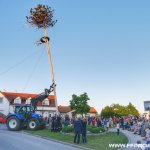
(42, 17)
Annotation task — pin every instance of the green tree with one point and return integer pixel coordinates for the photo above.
(107, 112)
(119, 110)
(80, 103)
(131, 109)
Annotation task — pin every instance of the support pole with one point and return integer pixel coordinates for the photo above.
(51, 67)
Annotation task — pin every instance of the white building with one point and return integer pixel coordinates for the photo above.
(9, 99)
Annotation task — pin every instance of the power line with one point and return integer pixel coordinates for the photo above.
(17, 64)
(34, 68)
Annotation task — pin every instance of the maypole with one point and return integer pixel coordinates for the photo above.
(42, 18)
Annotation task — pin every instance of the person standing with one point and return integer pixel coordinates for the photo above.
(105, 124)
(93, 121)
(122, 122)
(84, 123)
(50, 121)
(118, 127)
(99, 124)
(59, 125)
(108, 125)
(77, 130)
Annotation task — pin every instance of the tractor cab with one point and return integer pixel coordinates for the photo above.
(22, 108)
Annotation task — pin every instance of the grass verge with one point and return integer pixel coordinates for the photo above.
(96, 142)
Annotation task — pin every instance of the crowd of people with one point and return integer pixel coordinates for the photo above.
(56, 123)
(137, 125)
(101, 122)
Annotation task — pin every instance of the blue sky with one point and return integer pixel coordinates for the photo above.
(99, 47)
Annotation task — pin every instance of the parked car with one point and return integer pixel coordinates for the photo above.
(2, 120)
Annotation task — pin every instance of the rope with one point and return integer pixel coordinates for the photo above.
(34, 68)
(17, 64)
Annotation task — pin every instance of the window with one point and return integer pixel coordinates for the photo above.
(16, 109)
(45, 102)
(28, 101)
(1, 100)
(17, 100)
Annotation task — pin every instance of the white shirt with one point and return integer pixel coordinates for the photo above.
(118, 126)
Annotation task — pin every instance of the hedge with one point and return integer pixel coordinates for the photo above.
(68, 129)
(92, 129)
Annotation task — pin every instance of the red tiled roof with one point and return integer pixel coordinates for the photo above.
(64, 109)
(12, 95)
(92, 110)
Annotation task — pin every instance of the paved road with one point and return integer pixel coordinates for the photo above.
(133, 138)
(10, 140)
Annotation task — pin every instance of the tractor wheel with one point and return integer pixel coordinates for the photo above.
(33, 124)
(13, 123)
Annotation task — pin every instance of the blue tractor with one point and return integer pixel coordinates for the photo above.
(25, 116)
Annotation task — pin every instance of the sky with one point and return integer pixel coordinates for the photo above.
(100, 47)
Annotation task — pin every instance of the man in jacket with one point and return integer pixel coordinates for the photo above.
(77, 130)
(84, 123)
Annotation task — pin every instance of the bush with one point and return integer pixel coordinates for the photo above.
(66, 123)
(89, 128)
(68, 129)
(95, 130)
(102, 129)
(92, 129)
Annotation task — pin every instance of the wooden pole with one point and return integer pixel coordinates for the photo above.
(51, 66)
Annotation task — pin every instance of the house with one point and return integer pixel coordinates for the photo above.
(66, 110)
(9, 99)
(92, 112)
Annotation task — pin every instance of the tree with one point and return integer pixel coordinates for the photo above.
(131, 109)
(80, 103)
(119, 110)
(107, 112)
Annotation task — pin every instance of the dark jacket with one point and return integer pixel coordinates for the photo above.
(78, 126)
(84, 123)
